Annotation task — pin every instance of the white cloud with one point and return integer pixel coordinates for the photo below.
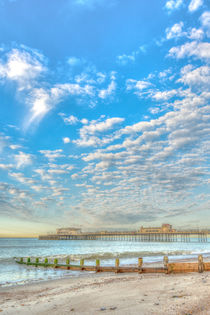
(140, 85)
(175, 31)
(22, 66)
(89, 134)
(71, 120)
(57, 171)
(43, 174)
(66, 140)
(60, 90)
(172, 5)
(25, 66)
(198, 78)
(40, 104)
(6, 166)
(84, 121)
(196, 34)
(167, 154)
(137, 86)
(38, 188)
(205, 20)
(15, 146)
(100, 77)
(194, 5)
(74, 61)
(21, 178)
(52, 154)
(164, 74)
(92, 4)
(42, 100)
(140, 126)
(104, 93)
(102, 126)
(192, 49)
(124, 59)
(23, 159)
(61, 166)
(57, 191)
(74, 176)
(165, 95)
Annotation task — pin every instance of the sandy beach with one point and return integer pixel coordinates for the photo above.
(111, 294)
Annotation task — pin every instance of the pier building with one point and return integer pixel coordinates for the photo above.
(68, 231)
(165, 228)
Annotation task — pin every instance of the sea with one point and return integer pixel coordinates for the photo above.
(12, 273)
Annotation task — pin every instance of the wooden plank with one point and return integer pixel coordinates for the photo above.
(182, 267)
(206, 266)
(169, 267)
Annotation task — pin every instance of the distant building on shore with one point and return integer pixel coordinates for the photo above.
(68, 231)
(165, 228)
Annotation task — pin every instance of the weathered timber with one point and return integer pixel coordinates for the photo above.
(98, 265)
(55, 263)
(117, 265)
(176, 267)
(140, 263)
(182, 267)
(200, 264)
(206, 266)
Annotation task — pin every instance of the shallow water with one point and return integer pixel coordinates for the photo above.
(128, 252)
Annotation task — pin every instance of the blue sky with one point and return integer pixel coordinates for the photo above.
(104, 114)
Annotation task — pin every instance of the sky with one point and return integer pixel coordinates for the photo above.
(104, 114)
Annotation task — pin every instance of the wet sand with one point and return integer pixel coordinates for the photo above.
(101, 293)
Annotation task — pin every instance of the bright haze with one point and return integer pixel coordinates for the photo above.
(104, 114)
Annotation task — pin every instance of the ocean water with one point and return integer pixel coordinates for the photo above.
(12, 273)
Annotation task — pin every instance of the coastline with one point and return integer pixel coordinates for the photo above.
(110, 293)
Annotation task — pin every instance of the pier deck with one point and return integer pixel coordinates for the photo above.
(132, 236)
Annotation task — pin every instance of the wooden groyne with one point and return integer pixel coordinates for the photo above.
(167, 268)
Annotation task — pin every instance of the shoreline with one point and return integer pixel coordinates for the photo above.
(111, 293)
(76, 274)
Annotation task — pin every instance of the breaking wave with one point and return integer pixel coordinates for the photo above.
(128, 254)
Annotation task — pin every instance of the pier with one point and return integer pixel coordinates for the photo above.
(165, 233)
(132, 236)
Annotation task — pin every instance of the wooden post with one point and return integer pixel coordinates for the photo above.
(82, 263)
(36, 261)
(165, 261)
(140, 262)
(55, 263)
(200, 264)
(117, 265)
(170, 268)
(97, 265)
